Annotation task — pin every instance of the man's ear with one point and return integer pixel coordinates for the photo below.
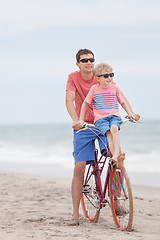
(77, 63)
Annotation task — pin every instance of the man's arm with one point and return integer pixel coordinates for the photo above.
(70, 98)
(83, 110)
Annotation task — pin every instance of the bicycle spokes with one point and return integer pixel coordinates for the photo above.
(90, 199)
(121, 199)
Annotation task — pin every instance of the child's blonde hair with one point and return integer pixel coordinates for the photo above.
(100, 67)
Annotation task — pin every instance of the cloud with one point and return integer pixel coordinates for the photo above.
(21, 67)
(29, 68)
(21, 15)
(141, 68)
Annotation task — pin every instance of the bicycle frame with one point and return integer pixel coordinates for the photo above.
(97, 171)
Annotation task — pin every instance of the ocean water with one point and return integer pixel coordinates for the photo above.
(52, 144)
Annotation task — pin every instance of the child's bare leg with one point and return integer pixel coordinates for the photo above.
(116, 145)
(121, 157)
(110, 141)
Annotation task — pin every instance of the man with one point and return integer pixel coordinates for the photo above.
(78, 86)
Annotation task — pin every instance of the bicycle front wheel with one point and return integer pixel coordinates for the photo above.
(90, 198)
(121, 199)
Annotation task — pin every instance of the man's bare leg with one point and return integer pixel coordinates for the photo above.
(76, 188)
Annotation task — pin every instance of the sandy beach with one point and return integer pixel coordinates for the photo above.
(34, 207)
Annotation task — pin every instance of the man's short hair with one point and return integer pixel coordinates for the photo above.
(83, 51)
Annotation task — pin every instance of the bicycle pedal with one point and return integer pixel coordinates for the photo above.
(85, 191)
(114, 164)
(86, 187)
(103, 204)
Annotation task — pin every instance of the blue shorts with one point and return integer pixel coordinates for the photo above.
(105, 123)
(84, 144)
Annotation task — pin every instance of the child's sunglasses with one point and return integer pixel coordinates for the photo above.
(85, 60)
(106, 75)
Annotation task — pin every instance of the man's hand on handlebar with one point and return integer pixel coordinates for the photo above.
(77, 125)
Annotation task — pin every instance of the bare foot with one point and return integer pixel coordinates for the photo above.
(120, 159)
(73, 222)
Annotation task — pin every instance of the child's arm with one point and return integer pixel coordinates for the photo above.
(134, 115)
(127, 108)
(129, 112)
(83, 110)
(125, 99)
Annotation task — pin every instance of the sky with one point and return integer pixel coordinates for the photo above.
(40, 38)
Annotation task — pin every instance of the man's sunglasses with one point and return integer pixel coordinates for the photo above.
(106, 75)
(85, 60)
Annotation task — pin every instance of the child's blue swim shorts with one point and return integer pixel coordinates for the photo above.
(105, 123)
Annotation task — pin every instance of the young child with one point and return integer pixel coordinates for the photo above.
(104, 98)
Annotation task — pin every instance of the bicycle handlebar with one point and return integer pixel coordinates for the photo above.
(127, 119)
(84, 125)
(130, 119)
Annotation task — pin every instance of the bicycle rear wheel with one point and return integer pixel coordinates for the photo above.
(90, 198)
(121, 199)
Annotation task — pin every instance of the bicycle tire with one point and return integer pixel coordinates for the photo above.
(90, 198)
(123, 199)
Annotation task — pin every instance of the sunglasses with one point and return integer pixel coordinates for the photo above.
(106, 75)
(85, 60)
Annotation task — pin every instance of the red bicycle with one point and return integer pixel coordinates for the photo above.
(116, 190)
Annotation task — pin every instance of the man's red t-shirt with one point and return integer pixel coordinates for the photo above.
(81, 88)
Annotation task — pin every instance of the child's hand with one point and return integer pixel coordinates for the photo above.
(135, 116)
